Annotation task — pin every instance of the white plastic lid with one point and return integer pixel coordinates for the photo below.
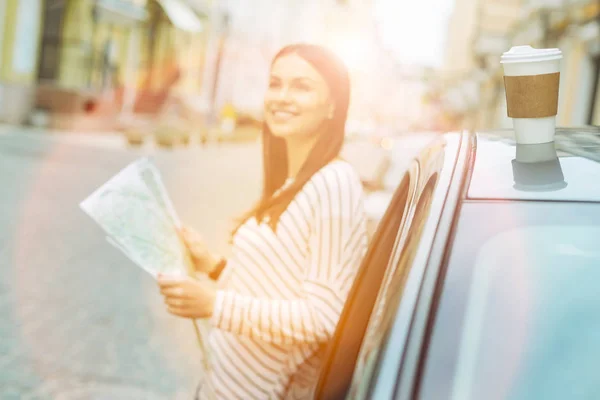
(518, 54)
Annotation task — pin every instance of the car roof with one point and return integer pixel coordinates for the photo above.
(567, 169)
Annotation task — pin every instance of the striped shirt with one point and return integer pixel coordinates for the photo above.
(282, 292)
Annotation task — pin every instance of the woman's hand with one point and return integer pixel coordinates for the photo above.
(204, 260)
(188, 298)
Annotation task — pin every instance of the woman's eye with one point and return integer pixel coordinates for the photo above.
(274, 84)
(303, 87)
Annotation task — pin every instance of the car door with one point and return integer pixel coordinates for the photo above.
(389, 296)
(379, 288)
(342, 353)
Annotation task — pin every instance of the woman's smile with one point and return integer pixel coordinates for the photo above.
(282, 116)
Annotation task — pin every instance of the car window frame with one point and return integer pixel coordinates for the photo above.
(327, 377)
(400, 266)
(418, 306)
(443, 157)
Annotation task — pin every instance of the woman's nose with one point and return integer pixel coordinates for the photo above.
(283, 94)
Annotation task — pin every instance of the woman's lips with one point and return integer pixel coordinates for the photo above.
(282, 116)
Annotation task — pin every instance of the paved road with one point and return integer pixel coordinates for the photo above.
(77, 319)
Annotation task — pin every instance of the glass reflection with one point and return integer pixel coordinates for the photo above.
(536, 168)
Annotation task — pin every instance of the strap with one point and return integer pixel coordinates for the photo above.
(216, 272)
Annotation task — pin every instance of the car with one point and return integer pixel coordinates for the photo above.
(482, 280)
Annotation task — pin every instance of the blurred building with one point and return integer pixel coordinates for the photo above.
(470, 89)
(466, 89)
(20, 31)
(82, 61)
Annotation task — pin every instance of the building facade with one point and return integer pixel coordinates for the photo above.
(475, 95)
(84, 61)
(20, 22)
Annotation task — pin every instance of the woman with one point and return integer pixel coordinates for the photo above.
(295, 255)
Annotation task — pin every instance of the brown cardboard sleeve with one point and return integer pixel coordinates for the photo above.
(532, 96)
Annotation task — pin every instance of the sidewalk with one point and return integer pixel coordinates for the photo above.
(96, 139)
(78, 320)
(118, 140)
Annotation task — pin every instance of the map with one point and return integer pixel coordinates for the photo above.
(135, 211)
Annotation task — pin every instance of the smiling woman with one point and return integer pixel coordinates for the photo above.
(297, 100)
(277, 300)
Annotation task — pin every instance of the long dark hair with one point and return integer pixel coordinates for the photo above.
(326, 148)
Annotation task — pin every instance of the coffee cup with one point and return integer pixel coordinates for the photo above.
(531, 80)
(535, 153)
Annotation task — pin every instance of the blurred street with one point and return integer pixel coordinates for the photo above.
(78, 319)
(88, 86)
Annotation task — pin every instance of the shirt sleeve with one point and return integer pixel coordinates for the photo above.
(336, 247)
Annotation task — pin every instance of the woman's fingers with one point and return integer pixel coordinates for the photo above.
(185, 233)
(177, 292)
(186, 297)
(182, 235)
(175, 302)
(173, 287)
(193, 242)
(189, 234)
(170, 281)
(179, 312)
(181, 288)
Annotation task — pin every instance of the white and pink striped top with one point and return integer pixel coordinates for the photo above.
(283, 292)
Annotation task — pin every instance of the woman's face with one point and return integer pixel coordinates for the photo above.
(297, 101)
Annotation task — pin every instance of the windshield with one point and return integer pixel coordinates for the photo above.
(518, 317)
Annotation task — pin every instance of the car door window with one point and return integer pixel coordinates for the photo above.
(342, 353)
(389, 297)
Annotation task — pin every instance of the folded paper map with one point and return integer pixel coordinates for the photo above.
(135, 211)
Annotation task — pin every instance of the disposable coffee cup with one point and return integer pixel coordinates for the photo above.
(535, 153)
(531, 80)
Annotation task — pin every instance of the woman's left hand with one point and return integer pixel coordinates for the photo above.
(188, 298)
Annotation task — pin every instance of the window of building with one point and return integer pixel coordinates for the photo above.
(26, 36)
(51, 40)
